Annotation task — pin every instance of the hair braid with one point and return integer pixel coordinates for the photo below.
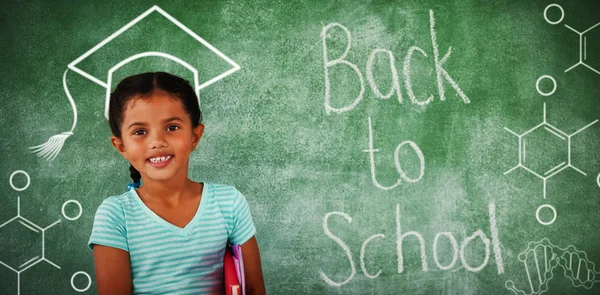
(135, 175)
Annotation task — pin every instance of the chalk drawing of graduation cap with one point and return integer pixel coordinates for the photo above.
(50, 149)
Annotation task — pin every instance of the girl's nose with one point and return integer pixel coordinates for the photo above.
(158, 141)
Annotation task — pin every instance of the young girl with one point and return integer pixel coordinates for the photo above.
(167, 236)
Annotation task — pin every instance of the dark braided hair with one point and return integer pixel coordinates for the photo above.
(142, 86)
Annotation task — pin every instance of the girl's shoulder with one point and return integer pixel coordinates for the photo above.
(122, 201)
(222, 193)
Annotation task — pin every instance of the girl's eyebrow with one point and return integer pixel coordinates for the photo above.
(172, 119)
(136, 124)
(164, 121)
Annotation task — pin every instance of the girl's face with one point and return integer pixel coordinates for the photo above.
(157, 136)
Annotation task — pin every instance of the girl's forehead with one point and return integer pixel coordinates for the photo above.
(154, 107)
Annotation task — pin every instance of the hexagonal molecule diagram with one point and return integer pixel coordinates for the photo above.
(19, 231)
(550, 142)
(582, 37)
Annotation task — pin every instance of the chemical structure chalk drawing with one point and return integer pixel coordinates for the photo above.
(546, 257)
(50, 149)
(582, 38)
(36, 259)
(554, 170)
(28, 227)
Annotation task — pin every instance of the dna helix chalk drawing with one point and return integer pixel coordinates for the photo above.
(541, 258)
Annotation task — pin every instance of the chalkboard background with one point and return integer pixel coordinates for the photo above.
(284, 130)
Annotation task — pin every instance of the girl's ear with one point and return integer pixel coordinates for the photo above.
(118, 144)
(196, 135)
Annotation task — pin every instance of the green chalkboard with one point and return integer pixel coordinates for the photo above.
(385, 147)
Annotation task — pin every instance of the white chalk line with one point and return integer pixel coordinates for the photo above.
(440, 71)
(395, 79)
(586, 126)
(51, 225)
(537, 87)
(562, 14)
(517, 135)
(454, 254)
(31, 265)
(31, 223)
(27, 183)
(570, 28)
(340, 60)
(420, 156)
(520, 151)
(546, 259)
(29, 227)
(544, 188)
(524, 150)
(29, 261)
(537, 266)
(577, 169)
(362, 256)
(587, 66)
(555, 167)
(557, 171)
(495, 238)
(552, 131)
(399, 242)
(407, 79)
(591, 28)
(574, 66)
(89, 279)
(532, 129)
(14, 270)
(528, 276)
(537, 214)
(51, 263)
(342, 245)
(9, 221)
(532, 172)
(555, 129)
(372, 152)
(512, 169)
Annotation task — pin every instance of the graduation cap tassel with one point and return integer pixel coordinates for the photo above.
(50, 149)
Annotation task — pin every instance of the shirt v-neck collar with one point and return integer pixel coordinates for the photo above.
(167, 225)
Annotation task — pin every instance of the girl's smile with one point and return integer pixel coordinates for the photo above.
(158, 161)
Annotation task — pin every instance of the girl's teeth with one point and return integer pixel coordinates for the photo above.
(160, 159)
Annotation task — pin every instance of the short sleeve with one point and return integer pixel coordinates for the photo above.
(109, 226)
(242, 228)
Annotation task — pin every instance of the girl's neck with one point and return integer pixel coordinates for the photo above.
(169, 192)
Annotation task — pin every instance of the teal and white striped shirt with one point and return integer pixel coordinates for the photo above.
(166, 259)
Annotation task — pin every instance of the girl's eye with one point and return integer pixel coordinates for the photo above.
(172, 128)
(139, 132)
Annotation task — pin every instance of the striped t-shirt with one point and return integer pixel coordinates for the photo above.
(166, 259)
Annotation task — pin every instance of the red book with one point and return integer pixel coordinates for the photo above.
(231, 269)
